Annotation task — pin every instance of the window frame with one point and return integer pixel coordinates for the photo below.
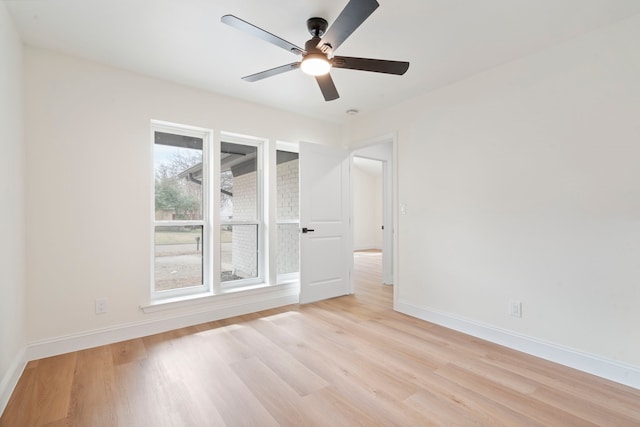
(259, 220)
(206, 287)
(291, 276)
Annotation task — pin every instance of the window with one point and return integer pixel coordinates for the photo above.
(208, 216)
(181, 229)
(287, 215)
(240, 212)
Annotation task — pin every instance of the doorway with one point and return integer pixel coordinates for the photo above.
(372, 208)
(366, 177)
(326, 212)
(367, 195)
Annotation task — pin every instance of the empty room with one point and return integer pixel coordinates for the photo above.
(322, 213)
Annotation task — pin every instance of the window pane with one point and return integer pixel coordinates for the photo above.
(287, 210)
(178, 257)
(178, 177)
(288, 248)
(238, 182)
(238, 252)
(287, 187)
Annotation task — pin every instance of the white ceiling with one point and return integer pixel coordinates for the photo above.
(185, 42)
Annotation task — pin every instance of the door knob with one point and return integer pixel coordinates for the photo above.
(307, 230)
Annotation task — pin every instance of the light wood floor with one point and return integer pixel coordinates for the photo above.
(344, 362)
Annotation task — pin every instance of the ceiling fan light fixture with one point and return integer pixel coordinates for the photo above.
(318, 54)
(315, 64)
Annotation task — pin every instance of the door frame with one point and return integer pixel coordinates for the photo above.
(374, 149)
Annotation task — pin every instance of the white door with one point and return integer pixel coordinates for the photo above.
(325, 239)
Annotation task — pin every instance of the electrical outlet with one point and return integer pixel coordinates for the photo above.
(403, 209)
(515, 308)
(101, 305)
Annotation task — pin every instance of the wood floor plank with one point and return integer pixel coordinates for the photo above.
(93, 384)
(348, 361)
(379, 404)
(444, 412)
(140, 387)
(51, 388)
(590, 409)
(229, 347)
(128, 351)
(329, 406)
(517, 402)
(296, 375)
(232, 398)
(176, 387)
(282, 402)
(617, 398)
(329, 360)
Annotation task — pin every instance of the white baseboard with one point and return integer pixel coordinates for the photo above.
(606, 368)
(10, 379)
(220, 309)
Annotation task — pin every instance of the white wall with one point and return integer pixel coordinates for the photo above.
(367, 205)
(524, 183)
(12, 226)
(89, 184)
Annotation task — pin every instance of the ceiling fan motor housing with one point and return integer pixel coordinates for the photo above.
(317, 26)
(311, 46)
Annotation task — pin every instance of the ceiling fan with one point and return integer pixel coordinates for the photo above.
(317, 55)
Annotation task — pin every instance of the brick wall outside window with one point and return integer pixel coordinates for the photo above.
(244, 257)
(244, 245)
(288, 207)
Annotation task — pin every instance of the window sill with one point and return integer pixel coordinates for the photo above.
(161, 304)
(209, 297)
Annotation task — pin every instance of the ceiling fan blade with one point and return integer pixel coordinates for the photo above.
(374, 65)
(327, 87)
(245, 26)
(272, 72)
(353, 14)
